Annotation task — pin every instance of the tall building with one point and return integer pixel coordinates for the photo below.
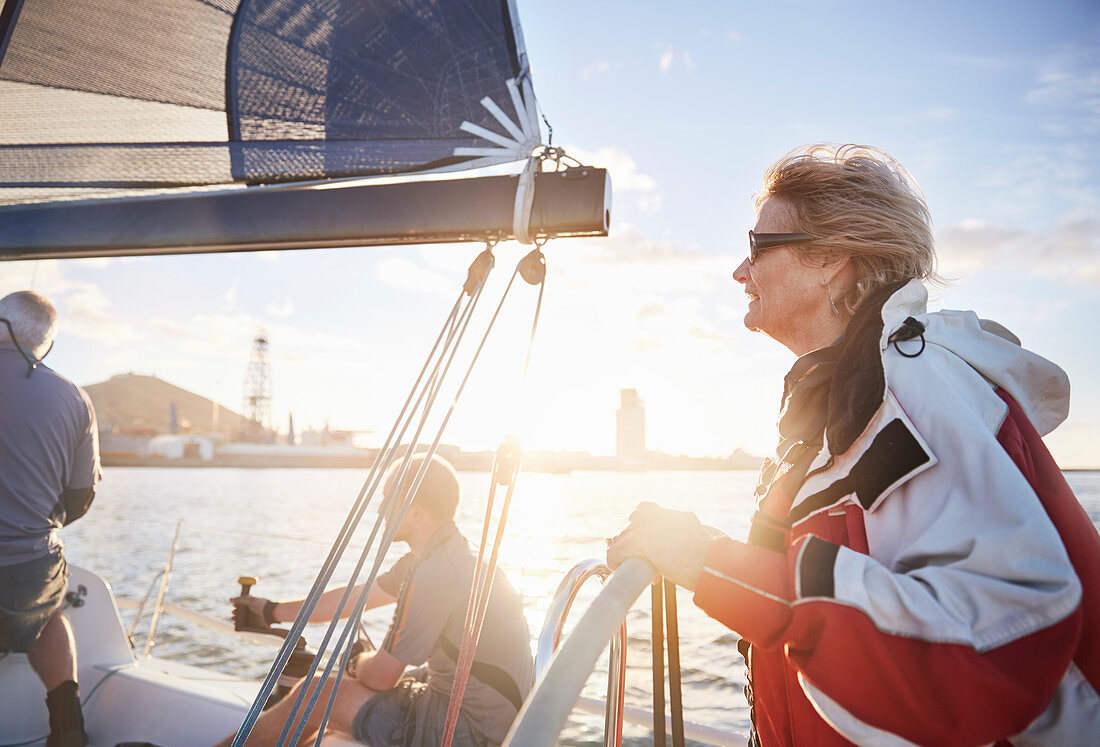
(630, 426)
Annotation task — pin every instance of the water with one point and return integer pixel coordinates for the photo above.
(278, 525)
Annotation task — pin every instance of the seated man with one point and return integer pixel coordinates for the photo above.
(431, 586)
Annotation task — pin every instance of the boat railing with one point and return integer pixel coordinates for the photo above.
(563, 670)
(550, 637)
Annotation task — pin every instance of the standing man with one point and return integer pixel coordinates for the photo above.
(49, 466)
(386, 706)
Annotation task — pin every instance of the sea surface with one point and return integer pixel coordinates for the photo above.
(278, 524)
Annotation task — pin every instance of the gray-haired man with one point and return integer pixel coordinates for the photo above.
(49, 465)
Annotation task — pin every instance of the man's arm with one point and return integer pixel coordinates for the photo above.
(77, 495)
(378, 670)
(287, 610)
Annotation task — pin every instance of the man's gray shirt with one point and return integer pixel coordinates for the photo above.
(48, 444)
(428, 623)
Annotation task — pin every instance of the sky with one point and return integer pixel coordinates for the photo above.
(994, 107)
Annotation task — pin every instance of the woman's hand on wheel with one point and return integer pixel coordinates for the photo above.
(675, 542)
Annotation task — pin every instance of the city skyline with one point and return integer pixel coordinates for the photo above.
(128, 404)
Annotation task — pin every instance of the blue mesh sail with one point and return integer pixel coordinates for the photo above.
(105, 95)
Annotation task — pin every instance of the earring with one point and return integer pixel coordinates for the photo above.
(832, 304)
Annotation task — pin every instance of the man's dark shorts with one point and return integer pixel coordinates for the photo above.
(30, 592)
(410, 715)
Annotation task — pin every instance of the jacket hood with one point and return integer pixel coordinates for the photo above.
(1039, 386)
(894, 322)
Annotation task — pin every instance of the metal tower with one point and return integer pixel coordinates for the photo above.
(257, 392)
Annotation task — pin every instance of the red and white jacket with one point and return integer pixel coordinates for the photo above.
(936, 581)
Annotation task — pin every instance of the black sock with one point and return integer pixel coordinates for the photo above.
(66, 719)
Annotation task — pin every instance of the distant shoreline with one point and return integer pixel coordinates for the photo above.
(474, 462)
(464, 463)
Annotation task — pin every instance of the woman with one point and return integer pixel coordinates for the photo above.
(918, 570)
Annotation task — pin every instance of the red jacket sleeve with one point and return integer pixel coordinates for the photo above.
(924, 690)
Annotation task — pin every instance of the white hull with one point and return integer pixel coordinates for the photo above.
(125, 698)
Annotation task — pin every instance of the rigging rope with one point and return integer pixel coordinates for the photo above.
(506, 465)
(394, 505)
(523, 269)
(373, 481)
(472, 290)
(478, 272)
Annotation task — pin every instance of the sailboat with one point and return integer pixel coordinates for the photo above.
(195, 126)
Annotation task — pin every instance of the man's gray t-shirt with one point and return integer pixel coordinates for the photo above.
(48, 444)
(432, 594)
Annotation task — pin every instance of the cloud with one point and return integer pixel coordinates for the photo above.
(625, 176)
(226, 337)
(674, 321)
(650, 203)
(84, 309)
(636, 264)
(602, 67)
(1069, 252)
(1060, 174)
(668, 59)
(283, 310)
(452, 260)
(651, 297)
(932, 114)
(983, 62)
(1070, 79)
(405, 274)
(735, 36)
(230, 296)
(665, 61)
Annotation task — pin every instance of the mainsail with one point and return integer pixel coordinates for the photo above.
(113, 94)
(114, 98)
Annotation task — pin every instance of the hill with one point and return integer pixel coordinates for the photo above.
(133, 401)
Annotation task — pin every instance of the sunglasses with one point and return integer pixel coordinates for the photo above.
(761, 242)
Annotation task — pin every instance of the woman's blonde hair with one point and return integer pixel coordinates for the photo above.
(858, 202)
